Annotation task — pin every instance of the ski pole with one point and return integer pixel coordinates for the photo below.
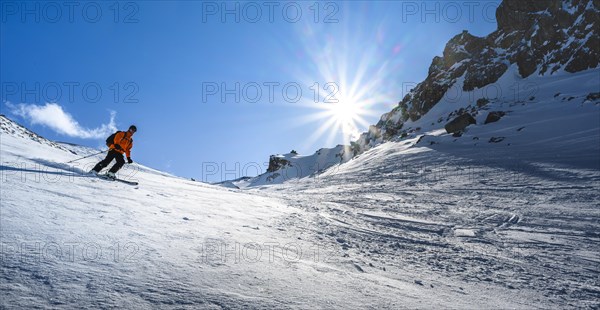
(85, 157)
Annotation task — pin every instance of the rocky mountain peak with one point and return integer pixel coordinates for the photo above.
(541, 37)
(515, 15)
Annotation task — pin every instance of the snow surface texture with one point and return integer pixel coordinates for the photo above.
(428, 221)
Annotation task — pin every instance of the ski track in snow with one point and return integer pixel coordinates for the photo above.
(515, 230)
(509, 224)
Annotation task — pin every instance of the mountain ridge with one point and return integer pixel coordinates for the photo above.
(524, 39)
(521, 38)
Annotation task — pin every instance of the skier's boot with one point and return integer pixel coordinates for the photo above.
(111, 175)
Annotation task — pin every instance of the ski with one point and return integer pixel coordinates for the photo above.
(105, 177)
(126, 182)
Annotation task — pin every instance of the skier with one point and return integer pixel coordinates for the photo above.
(121, 143)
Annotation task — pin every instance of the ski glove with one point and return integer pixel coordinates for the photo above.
(118, 147)
(129, 160)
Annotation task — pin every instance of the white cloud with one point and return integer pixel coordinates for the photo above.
(53, 116)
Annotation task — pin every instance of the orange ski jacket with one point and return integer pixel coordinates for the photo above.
(123, 139)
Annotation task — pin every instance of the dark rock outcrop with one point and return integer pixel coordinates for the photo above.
(494, 116)
(593, 97)
(481, 102)
(459, 123)
(276, 163)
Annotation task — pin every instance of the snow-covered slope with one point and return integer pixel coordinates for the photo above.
(542, 113)
(70, 240)
(518, 218)
(10, 128)
(403, 225)
(76, 241)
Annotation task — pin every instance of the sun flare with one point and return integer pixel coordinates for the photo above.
(348, 116)
(351, 80)
(344, 112)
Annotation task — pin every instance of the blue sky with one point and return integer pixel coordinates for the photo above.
(174, 69)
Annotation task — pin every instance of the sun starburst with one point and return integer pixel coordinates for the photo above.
(354, 83)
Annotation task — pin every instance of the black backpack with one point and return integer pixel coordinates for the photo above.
(111, 139)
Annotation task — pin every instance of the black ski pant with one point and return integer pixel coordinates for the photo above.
(112, 154)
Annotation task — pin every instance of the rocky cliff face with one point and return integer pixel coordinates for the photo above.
(277, 163)
(540, 37)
